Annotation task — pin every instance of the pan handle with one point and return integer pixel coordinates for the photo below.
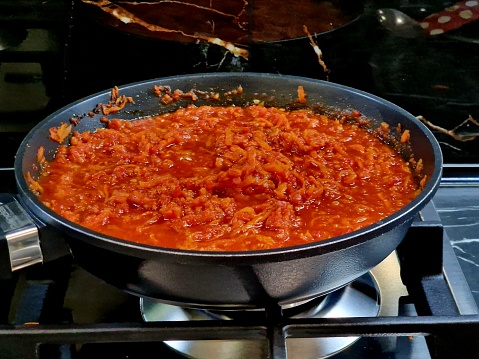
(19, 239)
(20, 235)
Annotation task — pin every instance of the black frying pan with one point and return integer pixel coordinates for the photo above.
(232, 279)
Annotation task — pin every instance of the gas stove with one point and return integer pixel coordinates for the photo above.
(419, 303)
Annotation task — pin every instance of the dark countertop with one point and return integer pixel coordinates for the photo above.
(458, 208)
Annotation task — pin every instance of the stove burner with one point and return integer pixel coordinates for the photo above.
(360, 298)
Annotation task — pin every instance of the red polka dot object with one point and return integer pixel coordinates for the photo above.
(451, 18)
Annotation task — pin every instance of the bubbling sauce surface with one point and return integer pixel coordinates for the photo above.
(227, 179)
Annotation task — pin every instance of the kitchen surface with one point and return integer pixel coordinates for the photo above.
(55, 52)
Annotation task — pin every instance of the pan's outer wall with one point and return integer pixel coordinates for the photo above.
(233, 280)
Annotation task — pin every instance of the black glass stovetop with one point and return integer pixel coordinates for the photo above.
(69, 54)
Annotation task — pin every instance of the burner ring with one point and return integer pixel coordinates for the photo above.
(360, 298)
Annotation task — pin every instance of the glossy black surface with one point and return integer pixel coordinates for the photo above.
(435, 77)
(458, 208)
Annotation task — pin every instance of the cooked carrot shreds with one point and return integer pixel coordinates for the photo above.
(166, 99)
(419, 166)
(406, 135)
(58, 134)
(41, 154)
(301, 95)
(422, 184)
(177, 94)
(167, 95)
(191, 94)
(116, 105)
(236, 91)
(114, 94)
(32, 184)
(160, 89)
(227, 178)
(116, 102)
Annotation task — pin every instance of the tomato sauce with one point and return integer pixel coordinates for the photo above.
(226, 179)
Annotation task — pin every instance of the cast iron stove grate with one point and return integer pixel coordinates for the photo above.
(439, 309)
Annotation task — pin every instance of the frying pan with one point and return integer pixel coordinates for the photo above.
(231, 279)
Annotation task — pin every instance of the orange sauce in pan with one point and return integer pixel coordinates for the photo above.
(226, 179)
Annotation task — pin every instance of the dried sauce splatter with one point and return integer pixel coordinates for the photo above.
(454, 133)
(232, 24)
(317, 50)
(128, 17)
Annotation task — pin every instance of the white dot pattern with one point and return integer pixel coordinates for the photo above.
(466, 14)
(451, 18)
(452, 8)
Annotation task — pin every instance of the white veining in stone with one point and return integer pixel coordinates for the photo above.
(461, 225)
(465, 240)
(458, 248)
(456, 209)
(468, 261)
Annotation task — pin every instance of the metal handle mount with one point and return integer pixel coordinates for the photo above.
(19, 239)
